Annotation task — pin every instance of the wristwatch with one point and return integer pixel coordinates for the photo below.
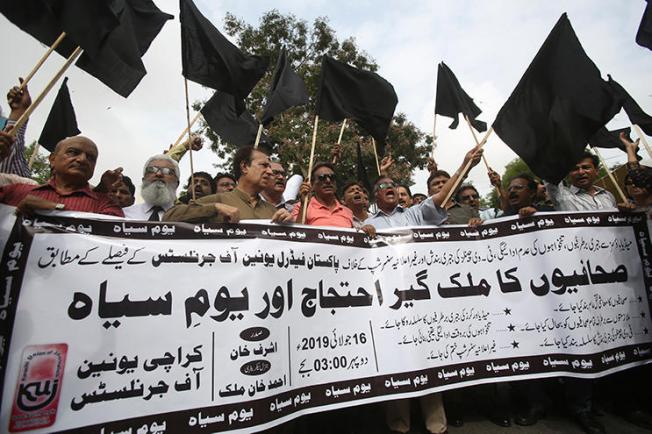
(60, 207)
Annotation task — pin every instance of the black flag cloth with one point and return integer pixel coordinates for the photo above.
(610, 139)
(287, 90)
(644, 34)
(86, 23)
(61, 122)
(347, 92)
(452, 100)
(118, 63)
(634, 111)
(220, 114)
(560, 102)
(208, 58)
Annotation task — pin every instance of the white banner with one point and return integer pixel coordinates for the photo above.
(139, 327)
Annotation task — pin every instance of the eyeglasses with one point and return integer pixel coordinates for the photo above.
(325, 176)
(278, 173)
(384, 185)
(164, 170)
(469, 197)
(516, 188)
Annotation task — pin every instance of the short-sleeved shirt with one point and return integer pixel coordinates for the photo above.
(425, 213)
(319, 214)
(84, 199)
(203, 210)
(460, 214)
(576, 199)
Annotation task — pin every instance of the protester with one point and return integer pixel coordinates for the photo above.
(12, 150)
(353, 197)
(521, 196)
(176, 152)
(391, 214)
(123, 193)
(224, 182)
(72, 164)
(203, 186)
(457, 213)
(417, 198)
(273, 193)
(468, 195)
(253, 169)
(158, 189)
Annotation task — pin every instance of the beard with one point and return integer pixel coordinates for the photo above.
(158, 193)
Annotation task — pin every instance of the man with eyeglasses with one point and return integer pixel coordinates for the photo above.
(158, 189)
(254, 172)
(273, 193)
(224, 182)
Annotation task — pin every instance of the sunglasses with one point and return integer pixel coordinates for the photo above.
(326, 176)
(155, 169)
(469, 197)
(278, 173)
(384, 185)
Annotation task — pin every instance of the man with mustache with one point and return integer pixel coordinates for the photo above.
(203, 186)
(354, 198)
(158, 189)
(273, 193)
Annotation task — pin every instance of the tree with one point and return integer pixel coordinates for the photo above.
(291, 133)
(40, 170)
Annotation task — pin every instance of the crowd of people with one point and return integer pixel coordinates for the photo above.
(258, 188)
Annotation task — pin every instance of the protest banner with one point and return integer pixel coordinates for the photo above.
(148, 327)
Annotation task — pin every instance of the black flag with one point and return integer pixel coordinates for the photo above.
(644, 34)
(87, 23)
(61, 122)
(560, 102)
(452, 100)
(634, 111)
(610, 139)
(118, 63)
(220, 114)
(287, 90)
(209, 59)
(347, 92)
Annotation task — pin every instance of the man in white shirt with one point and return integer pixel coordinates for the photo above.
(158, 189)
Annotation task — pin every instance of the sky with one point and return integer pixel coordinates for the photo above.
(488, 44)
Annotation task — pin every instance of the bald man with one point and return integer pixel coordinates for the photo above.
(72, 164)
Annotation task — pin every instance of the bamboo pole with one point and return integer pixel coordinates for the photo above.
(475, 137)
(192, 167)
(373, 144)
(312, 157)
(466, 169)
(643, 139)
(42, 60)
(339, 139)
(610, 175)
(23, 118)
(258, 134)
(185, 130)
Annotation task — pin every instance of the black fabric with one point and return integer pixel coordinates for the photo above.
(634, 112)
(362, 170)
(87, 23)
(644, 34)
(118, 63)
(221, 115)
(451, 100)
(61, 121)
(560, 102)
(287, 90)
(209, 59)
(604, 138)
(347, 92)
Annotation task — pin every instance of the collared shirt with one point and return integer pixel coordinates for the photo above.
(84, 199)
(426, 213)
(143, 211)
(460, 214)
(15, 163)
(203, 210)
(321, 215)
(576, 199)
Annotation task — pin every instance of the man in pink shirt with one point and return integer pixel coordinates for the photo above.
(323, 208)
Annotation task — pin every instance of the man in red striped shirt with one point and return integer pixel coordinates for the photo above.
(72, 164)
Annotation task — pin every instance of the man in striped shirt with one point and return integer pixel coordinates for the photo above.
(12, 150)
(72, 164)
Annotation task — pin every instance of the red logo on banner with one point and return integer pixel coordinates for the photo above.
(39, 383)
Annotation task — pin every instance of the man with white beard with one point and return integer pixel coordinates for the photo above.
(158, 190)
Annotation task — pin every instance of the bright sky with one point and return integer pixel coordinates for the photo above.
(488, 45)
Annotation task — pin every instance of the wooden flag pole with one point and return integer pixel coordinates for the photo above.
(23, 118)
(475, 137)
(185, 130)
(339, 139)
(312, 157)
(38, 65)
(260, 133)
(459, 179)
(643, 139)
(610, 175)
(32, 157)
(373, 144)
(192, 167)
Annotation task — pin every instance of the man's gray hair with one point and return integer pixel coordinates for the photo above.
(177, 172)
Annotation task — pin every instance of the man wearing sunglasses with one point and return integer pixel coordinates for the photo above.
(158, 189)
(273, 193)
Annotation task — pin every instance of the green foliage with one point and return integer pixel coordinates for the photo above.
(291, 132)
(40, 171)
